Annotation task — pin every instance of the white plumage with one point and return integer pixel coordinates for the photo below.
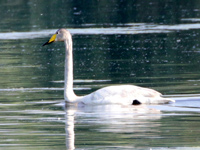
(118, 94)
(124, 94)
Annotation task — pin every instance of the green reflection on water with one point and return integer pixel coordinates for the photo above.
(30, 119)
(31, 76)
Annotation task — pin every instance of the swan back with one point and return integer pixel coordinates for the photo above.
(126, 95)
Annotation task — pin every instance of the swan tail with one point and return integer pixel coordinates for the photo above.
(162, 100)
(152, 100)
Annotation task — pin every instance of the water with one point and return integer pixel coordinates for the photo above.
(151, 44)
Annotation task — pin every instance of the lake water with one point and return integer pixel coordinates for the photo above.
(153, 44)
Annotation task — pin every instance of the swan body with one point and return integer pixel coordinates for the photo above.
(118, 94)
(124, 94)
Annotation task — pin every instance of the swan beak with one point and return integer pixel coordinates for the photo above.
(52, 39)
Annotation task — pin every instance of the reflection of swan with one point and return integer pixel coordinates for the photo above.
(122, 94)
(129, 120)
(69, 128)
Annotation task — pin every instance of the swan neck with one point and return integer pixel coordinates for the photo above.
(68, 91)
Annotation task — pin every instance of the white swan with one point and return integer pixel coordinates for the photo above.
(120, 94)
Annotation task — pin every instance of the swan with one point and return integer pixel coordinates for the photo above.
(116, 94)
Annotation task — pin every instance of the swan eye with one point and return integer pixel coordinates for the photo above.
(57, 31)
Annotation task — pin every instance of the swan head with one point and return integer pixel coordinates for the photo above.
(60, 35)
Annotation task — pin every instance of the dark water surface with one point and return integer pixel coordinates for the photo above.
(147, 43)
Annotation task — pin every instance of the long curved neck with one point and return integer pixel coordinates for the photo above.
(69, 93)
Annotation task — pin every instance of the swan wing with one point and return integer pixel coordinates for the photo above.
(125, 94)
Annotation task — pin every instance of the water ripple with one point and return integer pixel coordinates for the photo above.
(129, 28)
(37, 89)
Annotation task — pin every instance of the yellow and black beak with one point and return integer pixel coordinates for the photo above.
(52, 39)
